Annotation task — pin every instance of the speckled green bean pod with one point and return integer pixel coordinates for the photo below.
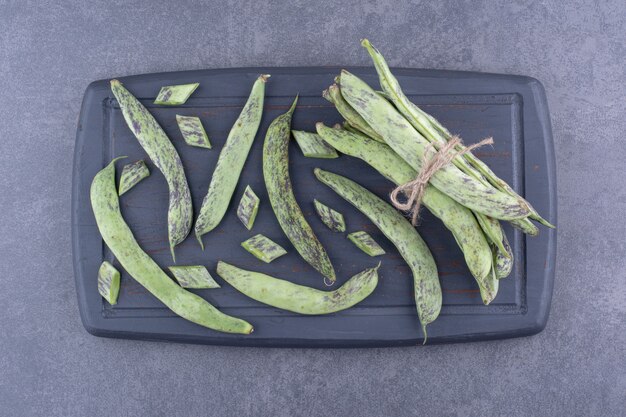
(231, 161)
(298, 298)
(403, 235)
(400, 135)
(282, 199)
(120, 240)
(457, 218)
(157, 145)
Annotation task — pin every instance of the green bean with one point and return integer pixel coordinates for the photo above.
(503, 264)
(263, 248)
(403, 235)
(193, 132)
(193, 276)
(120, 240)
(282, 199)
(248, 208)
(457, 218)
(109, 282)
(435, 132)
(132, 174)
(366, 243)
(355, 120)
(312, 146)
(231, 161)
(175, 95)
(331, 218)
(298, 298)
(411, 146)
(164, 156)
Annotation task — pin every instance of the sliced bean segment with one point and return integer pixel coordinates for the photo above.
(282, 199)
(458, 219)
(248, 208)
(331, 218)
(404, 237)
(109, 282)
(175, 95)
(366, 243)
(193, 276)
(231, 161)
(132, 174)
(298, 298)
(400, 135)
(164, 156)
(120, 240)
(312, 146)
(193, 132)
(263, 248)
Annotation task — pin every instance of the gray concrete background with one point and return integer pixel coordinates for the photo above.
(49, 365)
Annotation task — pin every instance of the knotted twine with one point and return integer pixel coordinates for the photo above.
(431, 163)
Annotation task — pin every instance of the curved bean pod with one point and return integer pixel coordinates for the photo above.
(231, 161)
(298, 298)
(411, 146)
(157, 145)
(282, 199)
(403, 235)
(120, 240)
(458, 219)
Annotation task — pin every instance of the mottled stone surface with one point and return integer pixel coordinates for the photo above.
(49, 365)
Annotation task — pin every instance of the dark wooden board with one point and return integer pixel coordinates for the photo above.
(512, 109)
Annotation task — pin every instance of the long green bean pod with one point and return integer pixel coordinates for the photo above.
(404, 237)
(120, 240)
(411, 146)
(457, 218)
(298, 298)
(435, 132)
(157, 145)
(282, 199)
(231, 161)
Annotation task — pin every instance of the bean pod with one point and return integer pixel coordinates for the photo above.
(298, 298)
(282, 199)
(231, 161)
(157, 145)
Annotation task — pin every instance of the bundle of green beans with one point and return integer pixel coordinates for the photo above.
(392, 134)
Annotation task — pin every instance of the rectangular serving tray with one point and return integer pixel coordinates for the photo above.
(512, 109)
